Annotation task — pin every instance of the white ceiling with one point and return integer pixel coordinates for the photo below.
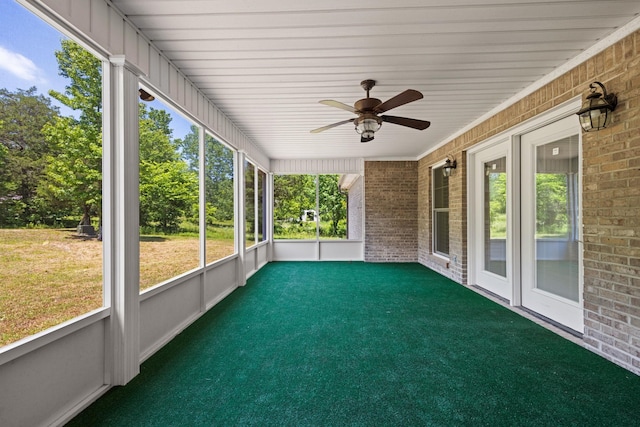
(267, 63)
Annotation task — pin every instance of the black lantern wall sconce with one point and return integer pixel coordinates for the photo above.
(595, 113)
(449, 166)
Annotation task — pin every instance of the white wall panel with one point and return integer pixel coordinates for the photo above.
(43, 385)
(131, 45)
(116, 33)
(351, 165)
(80, 11)
(343, 250)
(100, 20)
(166, 313)
(262, 256)
(143, 55)
(295, 251)
(220, 280)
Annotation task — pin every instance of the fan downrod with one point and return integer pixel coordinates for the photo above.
(367, 85)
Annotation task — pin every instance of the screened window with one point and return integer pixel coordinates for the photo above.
(250, 203)
(440, 212)
(327, 206)
(294, 207)
(332, 206)
(218, 184)
(50, 177)
(169, 214)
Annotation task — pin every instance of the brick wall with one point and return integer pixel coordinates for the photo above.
(391, 211)
(611, 198)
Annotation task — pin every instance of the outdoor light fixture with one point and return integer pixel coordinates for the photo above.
(449, 166)
(145, 96)
(367, 125)
(595, 113)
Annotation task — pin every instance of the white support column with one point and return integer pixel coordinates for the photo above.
(240, 218)
(269, 213)
(122, 235)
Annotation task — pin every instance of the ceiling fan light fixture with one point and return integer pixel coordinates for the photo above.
(367, 126)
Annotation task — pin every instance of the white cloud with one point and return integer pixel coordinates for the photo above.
(20, 66)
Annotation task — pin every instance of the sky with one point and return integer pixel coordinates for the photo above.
(27, 45)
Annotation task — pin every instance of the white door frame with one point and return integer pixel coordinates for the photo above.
(501, 286)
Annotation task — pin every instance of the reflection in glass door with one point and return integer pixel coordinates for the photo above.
(495, 216)
(551, 282)
(556, 236)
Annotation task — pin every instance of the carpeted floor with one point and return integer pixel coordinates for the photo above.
(359, 344)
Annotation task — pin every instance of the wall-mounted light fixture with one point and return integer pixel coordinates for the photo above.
(145, 96)
(595, 113)
(449, 166)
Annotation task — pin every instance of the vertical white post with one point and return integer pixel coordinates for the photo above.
(123, 228)
(269, 214)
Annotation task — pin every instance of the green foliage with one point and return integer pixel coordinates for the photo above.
(167, 191)
(498, 204)
(84, 91)
(333, 206)
(23, 151)
(168, 188)
(293, 194)
(73, 175)
(249, 201)
(218, 173)
(73, 172)
(551, 204)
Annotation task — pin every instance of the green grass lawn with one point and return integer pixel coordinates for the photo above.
(48, 276)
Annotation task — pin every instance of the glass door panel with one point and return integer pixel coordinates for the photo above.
(556, 236)
(495, 216)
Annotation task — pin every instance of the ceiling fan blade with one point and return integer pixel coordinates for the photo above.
(323, 128)
(405, 97)
(404, 121)
(337, 104)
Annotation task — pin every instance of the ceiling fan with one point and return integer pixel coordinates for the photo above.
(368, 109)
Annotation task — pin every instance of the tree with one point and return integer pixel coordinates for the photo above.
(551, 204)
(498, 203)
(84, 91)
(23, 115)
(218, 173)
(74, 171)
(73, 181)
(333, 203)
(292, 195)
(167, 191)
(168, 188)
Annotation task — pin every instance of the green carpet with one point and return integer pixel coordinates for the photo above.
(359, 344)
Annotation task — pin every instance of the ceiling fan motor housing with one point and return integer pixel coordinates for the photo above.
(366, 104)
